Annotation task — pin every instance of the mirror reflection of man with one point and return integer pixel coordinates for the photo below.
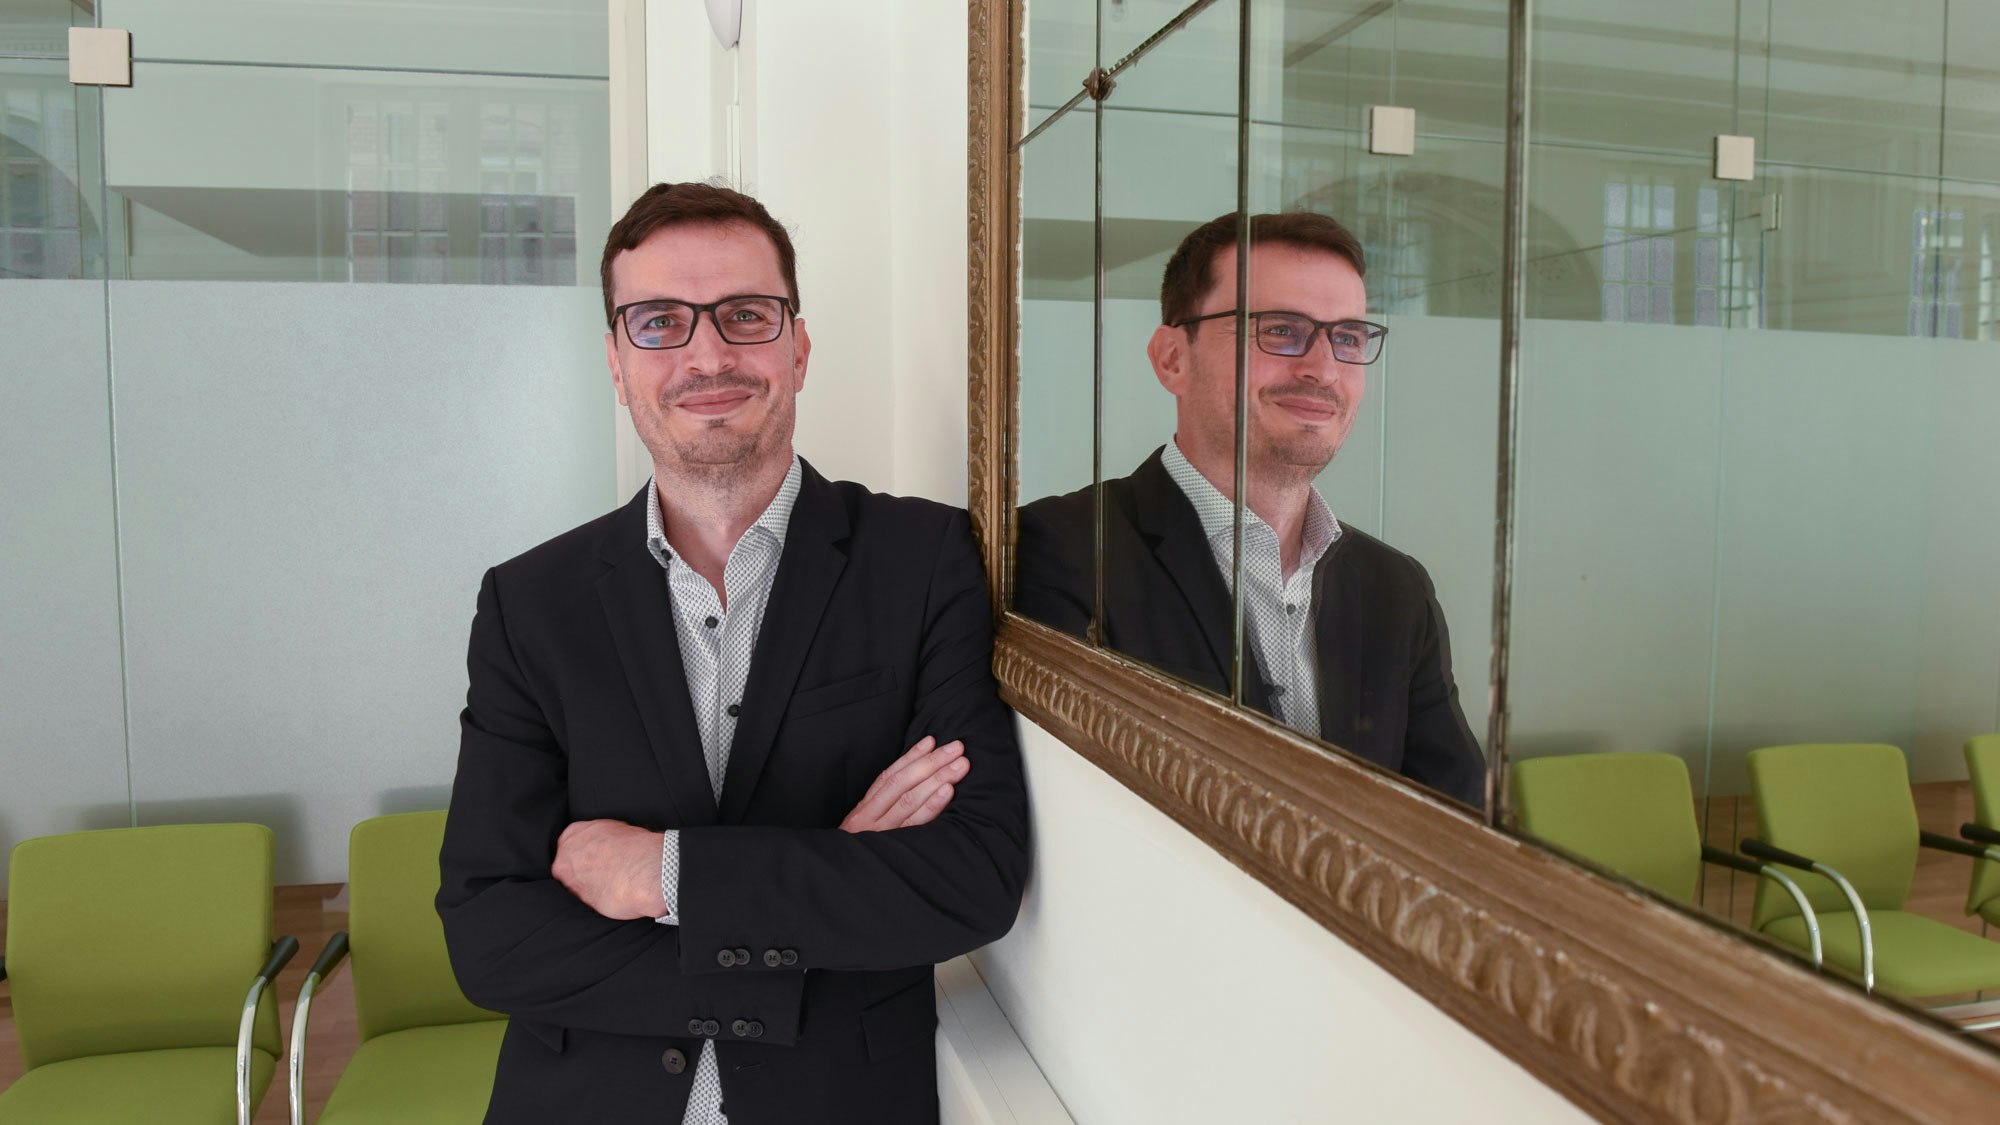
(1345, 639)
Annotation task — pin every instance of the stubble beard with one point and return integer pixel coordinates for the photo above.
(716, 454)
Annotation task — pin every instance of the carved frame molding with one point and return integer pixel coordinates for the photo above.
(1633, 1008)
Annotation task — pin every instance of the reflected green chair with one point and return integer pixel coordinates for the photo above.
(1632, 813)
(1844, 812)
(140, 961)
(427, 1053)
(1982, 766)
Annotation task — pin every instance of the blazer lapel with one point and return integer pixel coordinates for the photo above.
(1339, 630)
(641, 619)
(1167, 519)
(815, 554)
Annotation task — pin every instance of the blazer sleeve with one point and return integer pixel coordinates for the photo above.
(1439, 750)
(518, 940)
(1053, 580)
(895, 899)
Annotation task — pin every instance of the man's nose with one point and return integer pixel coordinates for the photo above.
(706, 349)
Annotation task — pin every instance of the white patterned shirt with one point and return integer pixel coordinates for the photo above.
(716, 644)
(1278, 611)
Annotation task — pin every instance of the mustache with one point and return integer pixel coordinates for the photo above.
(711, 384)
(1319, 391)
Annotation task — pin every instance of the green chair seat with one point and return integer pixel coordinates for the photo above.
(168, 1087)
(422, 1076)
(1915, 956)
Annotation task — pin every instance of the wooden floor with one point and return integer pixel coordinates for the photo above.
(308, 913)
(304, 913)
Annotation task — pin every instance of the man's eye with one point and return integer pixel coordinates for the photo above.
(747, 316)
(661, 321)
(1346, 340)
(1281, 328)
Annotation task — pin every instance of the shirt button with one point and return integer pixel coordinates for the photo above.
(735, 710)
(711, 622)
(1290, 607)
(1277, 690)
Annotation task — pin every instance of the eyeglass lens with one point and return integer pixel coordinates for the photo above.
(1289, 335)
(671, 324)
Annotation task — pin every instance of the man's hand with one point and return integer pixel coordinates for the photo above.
(612, 866)
(913, 790)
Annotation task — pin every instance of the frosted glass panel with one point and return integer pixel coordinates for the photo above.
(281, 174)
(50, 173)
(1614, 588)
(555, 37)
(306, 513)
(62, 745)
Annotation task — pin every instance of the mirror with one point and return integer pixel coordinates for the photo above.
(1751, 464)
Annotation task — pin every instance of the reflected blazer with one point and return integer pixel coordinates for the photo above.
(804, 951)
(1384, 660)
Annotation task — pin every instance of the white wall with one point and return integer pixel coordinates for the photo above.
(1152, 980)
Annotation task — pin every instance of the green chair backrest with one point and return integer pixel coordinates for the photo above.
(1982, 765)
(138, 939)
(402, 977)
(1633, 813)
(1847, 805)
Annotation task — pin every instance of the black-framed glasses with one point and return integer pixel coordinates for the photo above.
(1292, 334)
(751, 318)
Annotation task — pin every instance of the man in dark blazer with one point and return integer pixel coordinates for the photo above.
(733, 773)
(1345, 639)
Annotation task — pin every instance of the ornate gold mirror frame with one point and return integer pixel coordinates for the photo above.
(1634, 1009)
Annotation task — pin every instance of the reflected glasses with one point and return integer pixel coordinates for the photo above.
(1292, 334)
(749, 319)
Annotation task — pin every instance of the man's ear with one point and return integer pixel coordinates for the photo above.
(611, 360)
(802, 347)
(1172, 362)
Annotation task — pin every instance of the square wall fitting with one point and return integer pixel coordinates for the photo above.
(1392, 130)
(1735, 157)
(100, 56)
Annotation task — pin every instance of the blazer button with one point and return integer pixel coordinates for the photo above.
(710, 1028)
(740, 1028)
(742, 956)
(726, 958)
(773, 959)
(694, 1027)
(755, 1030)
(788, 957)
(674, 1061)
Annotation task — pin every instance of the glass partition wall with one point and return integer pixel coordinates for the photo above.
(301, 332)
(1755, 478)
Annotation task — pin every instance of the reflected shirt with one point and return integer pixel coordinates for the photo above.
(716, 645)
(1278, 612)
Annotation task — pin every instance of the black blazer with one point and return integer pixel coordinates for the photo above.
(878, 632)
(1385, 685)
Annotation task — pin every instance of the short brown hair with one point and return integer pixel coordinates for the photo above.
(694, 204)
(1187, 279)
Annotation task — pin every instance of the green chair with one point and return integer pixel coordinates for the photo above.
(140, 960)
(1982, 766)
(1844, 812)
(1632, 813)
(427, 1053)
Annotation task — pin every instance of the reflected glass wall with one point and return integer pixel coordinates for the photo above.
(301, 334)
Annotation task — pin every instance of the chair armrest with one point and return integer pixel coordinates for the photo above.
(1755, 847)
(1715, 855)
(1979, 833)
(329, 959)
(1943, 843)
(282, 951)
(1734, 862)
